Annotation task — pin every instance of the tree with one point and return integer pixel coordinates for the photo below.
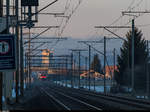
(123, 75)
(96, 64)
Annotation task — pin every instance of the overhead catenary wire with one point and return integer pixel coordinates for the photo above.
(66, 22)
(129, 8)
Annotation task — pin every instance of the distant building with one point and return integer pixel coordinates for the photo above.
(92, 74)
(46, 55)
(110, 71)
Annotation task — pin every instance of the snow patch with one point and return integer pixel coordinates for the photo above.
(3, 99)
(13, 93)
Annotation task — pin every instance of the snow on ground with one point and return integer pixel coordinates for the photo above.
(25, 86)
(142, 97)
(14, 92)
(97, 88)
(3, 98)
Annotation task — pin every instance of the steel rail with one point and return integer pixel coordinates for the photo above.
(57, 101)
(77, 100)
(123, 100)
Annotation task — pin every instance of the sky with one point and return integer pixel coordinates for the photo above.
(91, 13)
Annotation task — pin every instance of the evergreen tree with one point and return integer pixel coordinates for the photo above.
(96, 64)
(123, 75)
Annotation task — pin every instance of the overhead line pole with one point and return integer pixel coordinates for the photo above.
(133, 31)
(96, 50)
(104, 65)
(7, 15)
(7, 32)
(29, 52)
(1, 91)
(133, 44)
(86, 65)
(79, 69)
(17, 50)
(71, 70)
(66, 71)
(1, 73)
(106, 28)
(21, 60)
(89, 67)
(114, 64)
(147, 71)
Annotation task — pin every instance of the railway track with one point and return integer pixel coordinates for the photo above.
(67, 102)
(128, 101)
(38, 101)
(58, 104)
(118, 102)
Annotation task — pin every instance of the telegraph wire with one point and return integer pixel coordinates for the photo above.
(67, 21)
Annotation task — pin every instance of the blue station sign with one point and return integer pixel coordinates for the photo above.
(7, 52)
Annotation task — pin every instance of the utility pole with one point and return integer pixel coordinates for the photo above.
(7, 15)
(74, 72)
(79, 69)
(66, 70)
(21, 60)
(1, 8)
(29, 44)
(56, 76)
(26, 67)
(85, 42)
(60, 76)
(1, 90)
(114, 64)
(147, 70)
(104, 65)
(130, 13)
(94, 76)
(89, 66)
(71, 70)
(106, 28)
(129, 64)
(132, 71)
(29, 58)
(17, 46)
(1, 73)
(86, 68)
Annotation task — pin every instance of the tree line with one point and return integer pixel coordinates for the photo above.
(123, 74)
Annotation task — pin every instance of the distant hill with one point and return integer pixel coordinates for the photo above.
(63, 47)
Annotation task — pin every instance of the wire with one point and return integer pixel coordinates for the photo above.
(116, 20)
(131, 5)
(129, 8)
(67, 21)
(145, 25)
